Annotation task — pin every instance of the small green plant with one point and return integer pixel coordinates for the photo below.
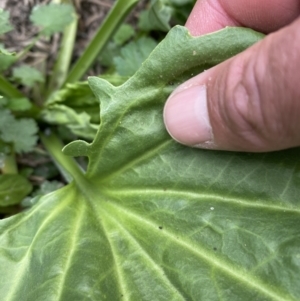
(148, 219)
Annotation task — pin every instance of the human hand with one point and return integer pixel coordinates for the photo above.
(250, 102)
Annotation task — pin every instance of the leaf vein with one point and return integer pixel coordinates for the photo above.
(238, 274)
(159, 271)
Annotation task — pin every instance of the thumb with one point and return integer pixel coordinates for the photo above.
(248, 103)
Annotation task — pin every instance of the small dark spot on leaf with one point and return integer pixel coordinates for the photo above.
(165, 189)
(215, 249)
(160, 227)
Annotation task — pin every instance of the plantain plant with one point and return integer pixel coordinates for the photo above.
(148, 219)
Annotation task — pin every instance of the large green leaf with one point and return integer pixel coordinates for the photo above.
(154, 220)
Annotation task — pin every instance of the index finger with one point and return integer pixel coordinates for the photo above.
(264, 16)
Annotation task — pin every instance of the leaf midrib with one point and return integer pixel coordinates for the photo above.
(90, 192)
(141, 158)
(114, 126)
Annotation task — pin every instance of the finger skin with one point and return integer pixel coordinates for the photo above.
(254, 98)
(262, 15)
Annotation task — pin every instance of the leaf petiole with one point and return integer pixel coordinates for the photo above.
(67, 165)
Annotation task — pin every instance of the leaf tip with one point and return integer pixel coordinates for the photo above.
(179, 29)
(101, 88)
(76, 148)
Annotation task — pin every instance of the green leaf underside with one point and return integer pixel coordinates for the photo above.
(154, 220)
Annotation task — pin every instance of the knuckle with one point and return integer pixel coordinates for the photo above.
(243, 107)
(256, 95)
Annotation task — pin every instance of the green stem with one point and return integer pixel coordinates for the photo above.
(67, 165)
(10, 165)
(119, 11)
(8, 89)
(63, 61)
